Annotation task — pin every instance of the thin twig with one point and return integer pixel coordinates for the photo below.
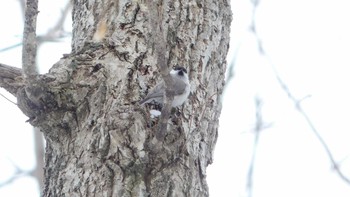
(8, 99)
(313, 128)
(29, 40)
(158, 39)
(259, 126)
(231, 67)
(53, 34)
(18, 174)
(11, 47)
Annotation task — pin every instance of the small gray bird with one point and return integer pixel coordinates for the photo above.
(181, 88)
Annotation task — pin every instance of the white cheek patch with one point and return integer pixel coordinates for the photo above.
(173, 72)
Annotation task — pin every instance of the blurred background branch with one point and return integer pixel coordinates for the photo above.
(297, 102)
(54, 34)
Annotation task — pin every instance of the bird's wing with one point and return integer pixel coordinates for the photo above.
(181, 87)
(157, 93)
(154, 93)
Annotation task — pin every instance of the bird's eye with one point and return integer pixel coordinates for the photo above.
(180, 69)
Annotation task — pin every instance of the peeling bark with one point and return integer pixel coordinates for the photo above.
(100, 142)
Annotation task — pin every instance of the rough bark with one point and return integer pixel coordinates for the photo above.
(100, 142)
(11, 78)
(29, 40)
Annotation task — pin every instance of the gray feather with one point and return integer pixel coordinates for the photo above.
(156, 93)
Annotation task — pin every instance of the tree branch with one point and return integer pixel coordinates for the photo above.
(296, 101)
(10, 78)
(52, 34)
(11, 47)
(313, 128)
(18, 174)
(257, 131)
(29, 40)
(158, 39)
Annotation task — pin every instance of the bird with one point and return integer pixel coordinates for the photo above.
(181, 88)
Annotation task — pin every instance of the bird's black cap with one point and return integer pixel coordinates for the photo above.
(180, 68)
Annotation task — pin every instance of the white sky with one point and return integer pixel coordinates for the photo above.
(308, 42)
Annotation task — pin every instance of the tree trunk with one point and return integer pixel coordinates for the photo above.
(100, 141)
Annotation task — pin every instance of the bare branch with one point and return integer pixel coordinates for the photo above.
(18, 174)
(10, 78)
(53, 34)
(10, 72)
(313, 128)
(296, 101)
(29, 40)
(11, 47)
(259, 126)
(231, 67)
(158, 39)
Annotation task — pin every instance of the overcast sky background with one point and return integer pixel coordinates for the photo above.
(308, 43)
